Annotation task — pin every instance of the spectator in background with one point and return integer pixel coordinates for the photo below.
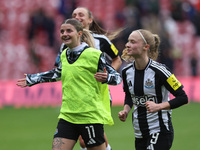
(66, 7)
(194, 63)
(196, 22)
(177, 11)
(41, 22)
(41, 38)
(165, 55)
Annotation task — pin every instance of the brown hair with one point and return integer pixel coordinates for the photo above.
(86, 35)
(153, 40)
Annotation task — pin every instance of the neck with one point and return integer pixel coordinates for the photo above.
(141, 63)
(87, 27)
(71, 46)
(79, 47)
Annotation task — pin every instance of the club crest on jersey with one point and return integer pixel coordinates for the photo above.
(148, 84)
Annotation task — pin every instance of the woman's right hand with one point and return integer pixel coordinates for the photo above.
(22, 82)
(123, 115)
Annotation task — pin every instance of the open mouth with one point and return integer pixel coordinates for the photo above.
(66, 38)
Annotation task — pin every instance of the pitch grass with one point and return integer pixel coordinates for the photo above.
(33, 129)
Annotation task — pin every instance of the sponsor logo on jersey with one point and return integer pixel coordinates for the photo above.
(148, 84)
(173, 82)
(141, 100)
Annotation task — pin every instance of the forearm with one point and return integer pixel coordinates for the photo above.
(127, 108)
(116, 63)
(172, 104)
(114, 78)
(164, 106)
(178, 101)
(49, 76)
(152, 107)
(124, 113)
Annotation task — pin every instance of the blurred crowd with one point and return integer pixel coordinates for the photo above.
(177, 22)
(29, 31)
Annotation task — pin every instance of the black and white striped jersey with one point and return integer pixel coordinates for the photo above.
(106, 46)
(151, 84)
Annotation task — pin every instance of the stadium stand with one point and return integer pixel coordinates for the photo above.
(21, 53)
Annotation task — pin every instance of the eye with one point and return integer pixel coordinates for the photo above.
(62, 31)
(73, 15)
(69, 30)
(81, 14)
(132, 41)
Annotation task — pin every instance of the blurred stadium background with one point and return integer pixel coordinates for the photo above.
(29, 42)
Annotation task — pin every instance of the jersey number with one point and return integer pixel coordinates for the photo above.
(91, 132)
(153, 141)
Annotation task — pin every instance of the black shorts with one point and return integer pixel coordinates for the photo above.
(92, 134)
(156, 141)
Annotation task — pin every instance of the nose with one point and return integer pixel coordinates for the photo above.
(76, 17)
(127, 45)
(64, 34)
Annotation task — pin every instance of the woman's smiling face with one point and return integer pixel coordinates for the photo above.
(81, 14)
(134, 45)
(69, 35)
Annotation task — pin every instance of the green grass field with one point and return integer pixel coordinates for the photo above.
(33, 129)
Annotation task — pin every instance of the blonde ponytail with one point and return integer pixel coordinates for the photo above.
(87, 38)
(126, 57)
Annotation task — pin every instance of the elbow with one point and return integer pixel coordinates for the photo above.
(186, 99)
(116, 63)
(178, 101)
(120, 61)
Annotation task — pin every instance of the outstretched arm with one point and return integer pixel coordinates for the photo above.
(22, 82)
(32, 79)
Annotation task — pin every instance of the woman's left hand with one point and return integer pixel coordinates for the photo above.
(101, 76)
(152, 107)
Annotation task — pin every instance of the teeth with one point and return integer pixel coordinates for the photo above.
(67, 38)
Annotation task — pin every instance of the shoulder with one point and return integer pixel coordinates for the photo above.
(63, 52)
(92, 51)
(62, 47)
(160, 68)
(129, 66)
(101, 37)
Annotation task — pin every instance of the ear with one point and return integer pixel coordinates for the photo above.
(147, 46)
(80, 33)
(90, 20)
